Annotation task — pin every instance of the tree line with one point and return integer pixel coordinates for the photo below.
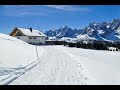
(97, 45)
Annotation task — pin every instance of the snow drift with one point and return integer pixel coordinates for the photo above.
(16, 57)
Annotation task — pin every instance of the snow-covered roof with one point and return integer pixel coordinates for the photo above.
(34, 32)
(112, 47)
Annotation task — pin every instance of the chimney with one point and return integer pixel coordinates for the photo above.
(31, 29)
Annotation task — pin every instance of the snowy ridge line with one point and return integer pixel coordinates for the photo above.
(6, 39)
(18, 71)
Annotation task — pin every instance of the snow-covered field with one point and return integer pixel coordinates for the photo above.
(104, 66)
(55, 65)
(16, 57)
(69, 66)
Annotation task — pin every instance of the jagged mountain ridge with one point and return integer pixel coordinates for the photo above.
(96, 31)
(64, 32)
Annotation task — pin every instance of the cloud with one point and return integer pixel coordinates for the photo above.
(40, 10)
(69, 7)
(24, 10)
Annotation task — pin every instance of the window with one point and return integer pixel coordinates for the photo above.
(30, 37)
(18, 37)
(34, 37)
(19, 34)
(40, 33)
(40, 43)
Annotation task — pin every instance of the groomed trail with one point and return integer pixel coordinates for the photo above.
(56, 67)
(60, 65)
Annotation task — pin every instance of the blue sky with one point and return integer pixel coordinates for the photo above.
(47, 17)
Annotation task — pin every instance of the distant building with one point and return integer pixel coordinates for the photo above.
(29, 35)
(112, 49)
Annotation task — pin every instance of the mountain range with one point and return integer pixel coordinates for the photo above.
(96, 31)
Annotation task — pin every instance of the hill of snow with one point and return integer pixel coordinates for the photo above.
(15, 52)
(58, 64)
(62, 65)
(14, 55)
(9, 38)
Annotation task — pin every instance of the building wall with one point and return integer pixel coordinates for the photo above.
(38, 40)
(14, 33)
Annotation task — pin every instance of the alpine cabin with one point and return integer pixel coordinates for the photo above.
(29, 35)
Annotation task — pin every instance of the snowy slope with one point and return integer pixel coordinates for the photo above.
(9, 38)
(73, 66)
(56, 68)
(15, 52)
(15, 55)
(103, 65)
(55, 64)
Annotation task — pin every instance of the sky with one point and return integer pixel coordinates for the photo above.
(46, 17)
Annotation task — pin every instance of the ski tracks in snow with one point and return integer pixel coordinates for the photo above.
(82, 75)
(56, 67)
(14, 73)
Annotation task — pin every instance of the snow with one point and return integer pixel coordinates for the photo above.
(86, 37)
(101, 31)
(15, 53)
(58, 34)
(62, 65)
(112, 48)
(113, 36)
(67, 39)
(52, 38)
(118, 36)
(55, 65)
(108, 26)
(118, 30)
(103, 65)
(15, 56)
(104, 39)
(56, 68)
(6, 37)
(33, 33)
